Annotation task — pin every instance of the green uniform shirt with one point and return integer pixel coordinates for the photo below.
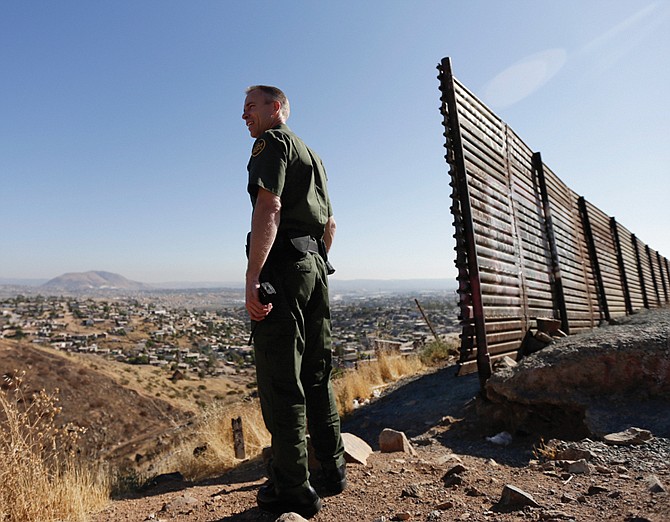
(282, 163)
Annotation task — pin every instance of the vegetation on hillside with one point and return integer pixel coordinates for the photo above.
(41, 478)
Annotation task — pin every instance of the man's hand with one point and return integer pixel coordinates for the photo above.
(264, 226)
(257, 310)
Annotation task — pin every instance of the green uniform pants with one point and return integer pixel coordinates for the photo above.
(292, 347)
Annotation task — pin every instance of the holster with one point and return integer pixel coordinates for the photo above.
(301, 245)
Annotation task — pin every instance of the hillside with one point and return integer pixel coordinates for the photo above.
(92, 280)
(127, 410)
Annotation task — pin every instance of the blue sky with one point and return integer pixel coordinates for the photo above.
(122, 146)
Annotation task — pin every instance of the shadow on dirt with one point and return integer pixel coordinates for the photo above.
(438, 407)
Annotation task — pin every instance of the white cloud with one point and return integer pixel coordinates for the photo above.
(523, 78)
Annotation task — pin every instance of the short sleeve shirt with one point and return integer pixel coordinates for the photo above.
(282, 164)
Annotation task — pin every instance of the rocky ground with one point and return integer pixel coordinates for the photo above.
(460, 466)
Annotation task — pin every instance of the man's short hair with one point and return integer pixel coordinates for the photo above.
(273, 94)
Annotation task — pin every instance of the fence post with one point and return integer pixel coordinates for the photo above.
(557, 286)
(614, 227)
(640, 271)
(238, 439)
(653, 275)
(663, 281)
(593, 254)
(460, 184)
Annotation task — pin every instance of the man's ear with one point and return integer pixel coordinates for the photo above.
(276, 105)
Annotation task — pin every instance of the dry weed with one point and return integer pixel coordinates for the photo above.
(210, 449)
(544, 452)
(357, 385)
(41, 478)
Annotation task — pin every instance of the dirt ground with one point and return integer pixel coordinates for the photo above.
(456, 473)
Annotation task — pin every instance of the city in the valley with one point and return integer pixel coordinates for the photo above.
(206, 331)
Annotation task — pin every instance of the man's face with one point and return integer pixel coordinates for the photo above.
(259, 113)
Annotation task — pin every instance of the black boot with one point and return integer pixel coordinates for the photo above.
(307, 503)
(335, 480)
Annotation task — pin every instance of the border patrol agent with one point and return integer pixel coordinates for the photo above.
(292, 229)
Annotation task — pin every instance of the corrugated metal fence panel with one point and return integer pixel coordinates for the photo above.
(576, 275)
(666, 267)
(527, 246)
(630, 267)
(656, 293)
(531, 233)
(606, 253)
(664, 285)
(485, 152)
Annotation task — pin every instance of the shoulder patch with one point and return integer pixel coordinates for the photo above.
(258, 147)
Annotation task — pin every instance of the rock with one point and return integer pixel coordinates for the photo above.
(447, 504)
(356, 450)
(183, 505)
(555, 515)
(573, 454)
(544, 337)
(453, 481)
(594, 490)
(515, 497)
(655, 485)
(579, 467)
(576, 467)
(474, 492)
(391, 441)
(548, 325)
(412, 490)
(504, 362)
(501, 439)
(291, 517)
(629, 437)
(588, 384)
(456, 470)
(165, 479)
(448, 458)
(404, 515)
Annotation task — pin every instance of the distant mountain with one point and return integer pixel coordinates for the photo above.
(94, 280)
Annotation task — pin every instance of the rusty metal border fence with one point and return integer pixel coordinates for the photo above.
(527, 246)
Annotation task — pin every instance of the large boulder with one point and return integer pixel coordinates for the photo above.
(590, 384)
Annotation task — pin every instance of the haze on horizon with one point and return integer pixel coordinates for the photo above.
(123, 149)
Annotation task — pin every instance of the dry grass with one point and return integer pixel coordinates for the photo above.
(210, 450)
(440, 350)
(355, 386)
(40, 476)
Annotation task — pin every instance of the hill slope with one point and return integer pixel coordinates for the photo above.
(92, 280)
(117, 418)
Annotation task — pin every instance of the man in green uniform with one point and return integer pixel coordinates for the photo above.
(292, 229)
